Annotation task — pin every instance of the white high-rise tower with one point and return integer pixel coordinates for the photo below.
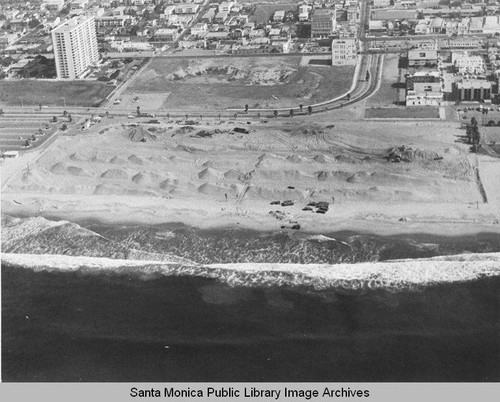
(75, 47)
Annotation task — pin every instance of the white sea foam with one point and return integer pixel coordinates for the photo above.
(391, 275)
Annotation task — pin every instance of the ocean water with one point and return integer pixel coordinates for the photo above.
(111, 325)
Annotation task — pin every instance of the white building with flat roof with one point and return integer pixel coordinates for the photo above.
(75, 47)
(344, 51)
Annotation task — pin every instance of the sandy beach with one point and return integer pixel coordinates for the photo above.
(208, 175)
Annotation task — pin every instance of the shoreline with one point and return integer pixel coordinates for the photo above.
(263, 223)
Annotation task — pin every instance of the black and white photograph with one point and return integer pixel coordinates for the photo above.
(250, 191)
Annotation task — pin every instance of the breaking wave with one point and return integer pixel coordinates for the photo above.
(397, 275)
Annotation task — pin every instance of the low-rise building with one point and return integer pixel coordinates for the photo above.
(79, 4)
(425, 94)
(323, 23)
(344, 51)
(116, 21)
(166, 35)
(279, 16)
(422, 57)
(465, 63)
(186, 8)
(226, 6)
(199, 29)
(471, 89)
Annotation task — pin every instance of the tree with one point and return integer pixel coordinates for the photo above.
(275, 113)
(468, 133)
(70, 119)
(291, 112)
(301, 107)
(27, 143)
(39, 106)
(33, 138)
(54, 119)
(33, 23)
(367, 77)
(138, 111)
(348, 97)
(65, 113)
(309, 109)
(473, 121)
(64, 127)
(246, 108)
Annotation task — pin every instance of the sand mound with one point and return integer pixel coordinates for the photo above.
(320, 159)
(452, 151)
(294, 158)
(233, 175)
(294, 174)
(346, 159)
(76, 171)
(145, 179)
(322, 175)
(208, 164)
(118, 161)
(95, 159)
(407, 154)
(158, 159)
(139, 134)
(209, 174)
(358, 177)
(79, 157)
(62, 169)
(307, 131)
(168, 185)
(115, 174)
(212, 189)
(135, 159)
(59, 168)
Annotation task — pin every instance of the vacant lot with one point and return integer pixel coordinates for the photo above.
(233, 82)
(53, 93)
(264, 12)
(403, 113)
(392, 87)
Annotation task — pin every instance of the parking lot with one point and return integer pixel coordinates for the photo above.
(490, 116)
(16, 130)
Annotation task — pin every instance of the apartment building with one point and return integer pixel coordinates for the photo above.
(75, 47)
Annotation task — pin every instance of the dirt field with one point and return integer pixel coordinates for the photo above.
(233, 82)
(51, 93)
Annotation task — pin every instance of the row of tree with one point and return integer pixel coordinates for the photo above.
(472, 132)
